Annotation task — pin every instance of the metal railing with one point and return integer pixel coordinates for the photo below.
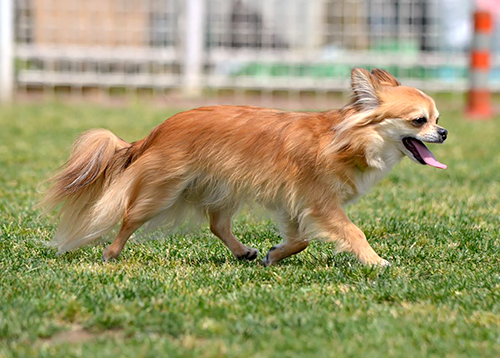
(265, 45)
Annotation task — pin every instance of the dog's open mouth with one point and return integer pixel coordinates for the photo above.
(421, 153)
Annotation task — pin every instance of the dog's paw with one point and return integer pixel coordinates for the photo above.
(104, 258)
(267, 261)
(250, 255)
(109, 254)
(385, 263)
(380, 263)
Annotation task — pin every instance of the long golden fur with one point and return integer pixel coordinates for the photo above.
(303, 166)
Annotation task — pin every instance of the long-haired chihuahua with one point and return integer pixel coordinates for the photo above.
(304, 166)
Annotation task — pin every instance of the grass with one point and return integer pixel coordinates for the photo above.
(184, 295)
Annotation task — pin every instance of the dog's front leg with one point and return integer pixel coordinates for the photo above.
(348, 236)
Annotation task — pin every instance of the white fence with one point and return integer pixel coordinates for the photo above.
(263, 45)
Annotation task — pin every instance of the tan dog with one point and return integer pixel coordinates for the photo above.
(303, 166)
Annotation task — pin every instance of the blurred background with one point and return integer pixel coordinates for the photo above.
(288, 53)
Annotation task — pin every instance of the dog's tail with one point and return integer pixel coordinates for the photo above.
(91, 190)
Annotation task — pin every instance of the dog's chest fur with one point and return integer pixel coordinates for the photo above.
(379, 166)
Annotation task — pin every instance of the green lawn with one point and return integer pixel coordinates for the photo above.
(184, 295)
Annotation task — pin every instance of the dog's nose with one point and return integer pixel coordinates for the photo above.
(443, 133)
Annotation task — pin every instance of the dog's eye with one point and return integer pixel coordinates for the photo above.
(437, 120)
(420, 121)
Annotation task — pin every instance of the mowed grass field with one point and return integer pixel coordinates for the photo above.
(185, 295)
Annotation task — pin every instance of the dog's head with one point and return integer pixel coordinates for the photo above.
(405, 116)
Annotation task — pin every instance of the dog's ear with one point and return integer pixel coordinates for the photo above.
(365, 87)
(385, 78)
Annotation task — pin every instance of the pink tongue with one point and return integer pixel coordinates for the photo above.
(426, 155)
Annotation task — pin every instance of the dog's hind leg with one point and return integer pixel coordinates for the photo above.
(145, 205)
(115, 248)
(293, 244)
(220, 225)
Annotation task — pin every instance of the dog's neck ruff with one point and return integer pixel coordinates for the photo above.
(380, 162)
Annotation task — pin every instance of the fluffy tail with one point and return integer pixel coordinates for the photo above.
(91, 189)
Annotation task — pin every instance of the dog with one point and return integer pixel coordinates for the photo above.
(303, 166)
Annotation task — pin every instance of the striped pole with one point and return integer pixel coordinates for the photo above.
(479, 97)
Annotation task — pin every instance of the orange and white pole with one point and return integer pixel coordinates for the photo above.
(479, 97)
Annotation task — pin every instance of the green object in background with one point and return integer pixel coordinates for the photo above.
(339, 71)
(332, 70)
